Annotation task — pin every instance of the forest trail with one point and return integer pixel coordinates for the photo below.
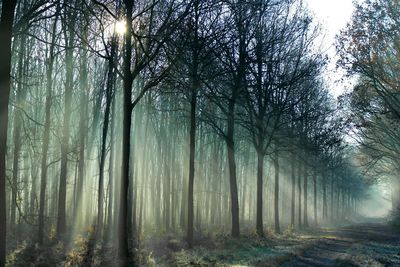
(368, 244)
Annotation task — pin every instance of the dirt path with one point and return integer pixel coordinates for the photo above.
(358, 245)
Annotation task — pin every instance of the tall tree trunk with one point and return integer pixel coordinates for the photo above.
(244, 193)
(20, 95)
(83, 82)
(123, 250)
(166, 161)
(143, 185)
(6, 23)
(299, 196)
(293, 201)
(260, 167)
(103, 152)
(140, 223)
(184, 197)
(215, 169)
(276, 193)
(192, 147)
(332, 200)
(108, 235)
(46, 134)
(167, 187)
(305, 195)
(324, 203)
(69, 83)
(315, 197)
(100, 197)
(195, 84)
(232, 169)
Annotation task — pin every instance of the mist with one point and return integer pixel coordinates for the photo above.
(194, 133)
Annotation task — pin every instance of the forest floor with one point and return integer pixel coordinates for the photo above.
(368, 244)
(363, 244)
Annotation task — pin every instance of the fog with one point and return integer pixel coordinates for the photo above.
(149, 130)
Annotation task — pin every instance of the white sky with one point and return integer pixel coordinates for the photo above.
(332, 15)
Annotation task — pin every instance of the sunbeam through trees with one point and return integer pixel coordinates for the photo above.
(197, 133)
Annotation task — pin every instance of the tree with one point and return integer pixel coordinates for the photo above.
(280, 62)
(226, 92)
(69, 37)
(6, 24)
(83, 118)
(46, 133)
(109, 96)
(148, 46)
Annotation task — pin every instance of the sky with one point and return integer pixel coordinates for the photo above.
(332, 15)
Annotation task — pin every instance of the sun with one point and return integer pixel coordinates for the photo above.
(120, 27)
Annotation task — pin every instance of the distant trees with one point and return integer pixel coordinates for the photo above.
(369, 47)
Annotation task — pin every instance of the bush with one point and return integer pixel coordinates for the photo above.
(28, 254)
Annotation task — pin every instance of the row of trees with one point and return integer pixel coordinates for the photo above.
(369, 48)
(173, 121)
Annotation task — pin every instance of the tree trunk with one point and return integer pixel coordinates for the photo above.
(195, 84)
(299, 196)
(106, 121)
(260, 167)
(69, 83)
(6, 22)
(324, 204)
(305, 196)
(332, 200)
(108, 235)
(292, 214)
(192, 141)
(78, 209)
(315, 197)
(232, 170)
(46, 134)
(20, 95)
(123, 250)
(166, 162)
(167, 186)
(276, 194)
